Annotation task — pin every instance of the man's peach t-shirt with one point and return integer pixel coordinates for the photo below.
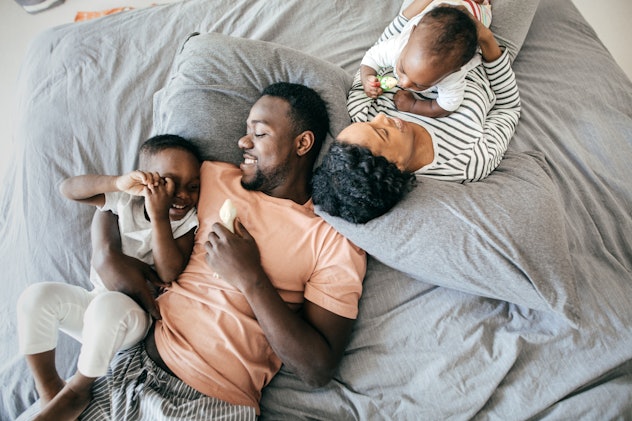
(208, 335)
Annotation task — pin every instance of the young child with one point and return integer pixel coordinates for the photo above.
(432, 54)
(156, 208)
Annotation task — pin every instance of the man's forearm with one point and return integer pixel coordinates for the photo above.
(298, 344)
(117, 271)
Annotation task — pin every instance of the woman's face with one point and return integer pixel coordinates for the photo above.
(390, 137)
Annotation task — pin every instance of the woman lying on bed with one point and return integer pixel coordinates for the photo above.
(375, 161)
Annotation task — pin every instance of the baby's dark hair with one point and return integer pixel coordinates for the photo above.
(356, 185)
(455, 33)
(160, 142)
(308, 111)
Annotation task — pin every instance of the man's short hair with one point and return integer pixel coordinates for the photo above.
(308, 111)
(356, 185)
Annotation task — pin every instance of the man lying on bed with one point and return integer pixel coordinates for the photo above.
(375, 160)
(284, 288)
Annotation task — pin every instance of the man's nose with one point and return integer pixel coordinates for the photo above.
(245, 142)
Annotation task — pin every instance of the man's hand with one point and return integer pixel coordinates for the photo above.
(234, 257)
(310, 343)
(118, 271)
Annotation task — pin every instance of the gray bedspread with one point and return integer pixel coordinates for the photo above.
(422, 348)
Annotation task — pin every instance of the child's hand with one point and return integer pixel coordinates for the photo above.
(159, 198)
(134, 183)
(371, 86)
(404, 100)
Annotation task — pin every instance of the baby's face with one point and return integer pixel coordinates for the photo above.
(184, 169)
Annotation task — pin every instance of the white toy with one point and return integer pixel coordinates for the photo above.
(227, 214)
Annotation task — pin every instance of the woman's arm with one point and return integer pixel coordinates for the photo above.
(415, 8)
(499, 125)
(490, 49)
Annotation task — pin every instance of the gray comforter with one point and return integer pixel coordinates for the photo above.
(504, 299)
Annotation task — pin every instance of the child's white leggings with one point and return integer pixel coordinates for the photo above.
(105, 322)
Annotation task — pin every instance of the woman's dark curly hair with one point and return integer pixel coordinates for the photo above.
(356, 185)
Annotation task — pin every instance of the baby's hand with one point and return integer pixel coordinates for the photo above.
(371, 86)
(404, 100)
(134, 183)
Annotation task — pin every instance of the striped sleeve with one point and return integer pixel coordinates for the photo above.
(500, 122)
(395, 27)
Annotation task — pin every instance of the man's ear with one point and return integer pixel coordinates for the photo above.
(304, 142)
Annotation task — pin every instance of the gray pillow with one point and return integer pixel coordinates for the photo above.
(503, 237)
(216, 78)
(511, 20)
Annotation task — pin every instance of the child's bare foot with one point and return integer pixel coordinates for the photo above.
(69, 403)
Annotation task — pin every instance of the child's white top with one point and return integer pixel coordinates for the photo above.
(135, 228)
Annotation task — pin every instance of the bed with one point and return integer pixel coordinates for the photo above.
(504, 299)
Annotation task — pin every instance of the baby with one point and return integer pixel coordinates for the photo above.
(431, 56)
(156, 208)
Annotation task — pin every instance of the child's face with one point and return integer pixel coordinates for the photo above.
(418, 68)
(184, 169)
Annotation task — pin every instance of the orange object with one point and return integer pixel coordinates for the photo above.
(82, 16)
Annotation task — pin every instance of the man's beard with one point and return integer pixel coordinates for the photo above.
(266, 182)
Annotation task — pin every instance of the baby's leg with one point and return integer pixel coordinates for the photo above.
(42, 310)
